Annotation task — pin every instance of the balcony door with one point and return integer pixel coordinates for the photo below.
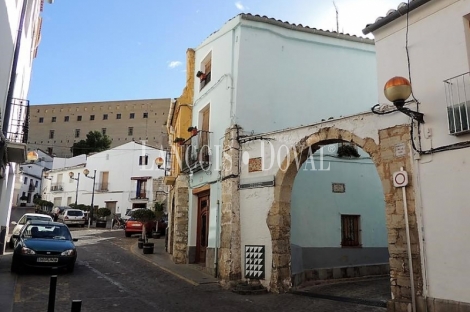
(202, 227)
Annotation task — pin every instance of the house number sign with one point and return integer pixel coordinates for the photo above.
(338, 188)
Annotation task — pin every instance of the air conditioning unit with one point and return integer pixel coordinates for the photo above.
(459, 118)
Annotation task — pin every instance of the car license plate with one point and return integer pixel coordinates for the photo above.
(75, 221)
(48, 259)
(136, 225)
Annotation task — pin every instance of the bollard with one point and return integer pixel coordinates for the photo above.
(76, 305)
(52, 289)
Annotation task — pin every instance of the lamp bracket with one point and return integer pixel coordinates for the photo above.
(419, 117)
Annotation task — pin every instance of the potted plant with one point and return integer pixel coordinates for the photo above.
(179, 140)
(101, 214)
(346, 150)
(193, 130)
(146, 217)
(23, 200)
(158, 207)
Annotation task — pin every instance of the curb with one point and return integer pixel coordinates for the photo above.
(373, 303)
(187, 280)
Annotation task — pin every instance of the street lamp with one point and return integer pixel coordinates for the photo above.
(78, 182)
(86, 172)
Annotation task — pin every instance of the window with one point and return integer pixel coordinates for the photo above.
(36, 183)
(51, 134)
(54, 119)
(143, 160)
(350, 231)
(41, 119)
(130, 131)
(66, 118)
(77, 133)
(49, 150)
(79, 118)
(92, 117)
(103, 131)
(105, 116)
(131, 115)
(118, 116)
(146, 115)
(204, 74)
(25, 181)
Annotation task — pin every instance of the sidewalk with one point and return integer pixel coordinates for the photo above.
(7, 283)
(162, 259)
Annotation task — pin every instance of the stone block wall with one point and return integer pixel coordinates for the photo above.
(180, 226)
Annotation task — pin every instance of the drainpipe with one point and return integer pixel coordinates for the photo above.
(217, 243)
(11, 87)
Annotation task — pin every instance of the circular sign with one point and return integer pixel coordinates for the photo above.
(400, 178)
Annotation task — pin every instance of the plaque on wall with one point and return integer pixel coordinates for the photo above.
(338, 188)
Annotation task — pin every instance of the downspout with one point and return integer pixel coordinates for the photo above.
(232, 69)
(11, 87)
(217, 244)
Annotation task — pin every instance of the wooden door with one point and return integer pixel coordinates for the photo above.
(104, 181)
(202, 228)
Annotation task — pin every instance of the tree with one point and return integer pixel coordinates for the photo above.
(95, 142)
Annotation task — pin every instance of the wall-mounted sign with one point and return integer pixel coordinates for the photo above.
(400, 178)
(400, 150)
(338, 187)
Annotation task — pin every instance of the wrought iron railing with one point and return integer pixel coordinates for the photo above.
(457, 91)
(19, 121)
(57, 187)
(196, 152)
(102, 187)
(142, 195)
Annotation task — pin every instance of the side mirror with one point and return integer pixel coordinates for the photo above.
(16, 236)
(75, 239)
(13, 223)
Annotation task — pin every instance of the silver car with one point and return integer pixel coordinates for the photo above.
(72, 217)
(25, 218)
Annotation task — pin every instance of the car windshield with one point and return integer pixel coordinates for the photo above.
(47, 232)
(75, 213)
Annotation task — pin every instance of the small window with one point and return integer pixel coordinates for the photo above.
(131, 115)
(77, 133)
(103, 131)
(130, 131)
(205, 73)
(36, 183)
(146, 115)
(143, 160)
(79, 118)
(54, 119)
(92, 117)
(51, 134)
(41, 119)
(105, 116)
(66, 118)
(118, 116)
(25, 180)
(350, 231)
(49, 150)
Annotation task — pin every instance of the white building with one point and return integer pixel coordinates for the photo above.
(120, 179)
(20, 32)
(436, 35)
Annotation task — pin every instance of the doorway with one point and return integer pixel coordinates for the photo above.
(111, 205)
(202, 227)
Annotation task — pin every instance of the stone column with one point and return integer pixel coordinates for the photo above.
(180, 231)
(230, 241)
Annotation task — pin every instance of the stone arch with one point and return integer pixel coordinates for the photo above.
(279, 222)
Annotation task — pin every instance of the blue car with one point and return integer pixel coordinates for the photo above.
(44, 244)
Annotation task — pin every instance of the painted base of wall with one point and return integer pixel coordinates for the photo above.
(340, 273)
(428, 305)
(209, 266)
(191, 254)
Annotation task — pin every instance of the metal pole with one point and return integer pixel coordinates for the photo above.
(52, 289)
(76, 192)
(76, 305)
(92, 197)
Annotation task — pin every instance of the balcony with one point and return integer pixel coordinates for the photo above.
(138, 196)
(102, 187)
(196, 153)
(57, 187)
(17, 132)
(457, 91)
(31, 188)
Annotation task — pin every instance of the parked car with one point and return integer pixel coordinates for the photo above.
(44, 244)
(25, 218)
(72, 217)
(128, 214)
(133, 226)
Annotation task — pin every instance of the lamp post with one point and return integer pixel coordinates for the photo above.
(86, 172)
(71, 174)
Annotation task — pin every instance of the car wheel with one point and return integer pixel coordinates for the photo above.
(128, 234)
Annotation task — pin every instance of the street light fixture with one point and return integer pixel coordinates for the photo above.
(86, 172)
(71, 174)
(398, 90)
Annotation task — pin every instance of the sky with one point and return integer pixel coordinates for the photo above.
(109, 50)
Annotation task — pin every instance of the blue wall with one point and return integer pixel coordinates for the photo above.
(316, 213)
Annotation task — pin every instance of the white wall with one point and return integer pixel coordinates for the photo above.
(438, 51)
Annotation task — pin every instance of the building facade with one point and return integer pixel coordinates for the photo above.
(20, 32)
(120, 179)
(416, 43)
(294, 91)
(56, 127)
